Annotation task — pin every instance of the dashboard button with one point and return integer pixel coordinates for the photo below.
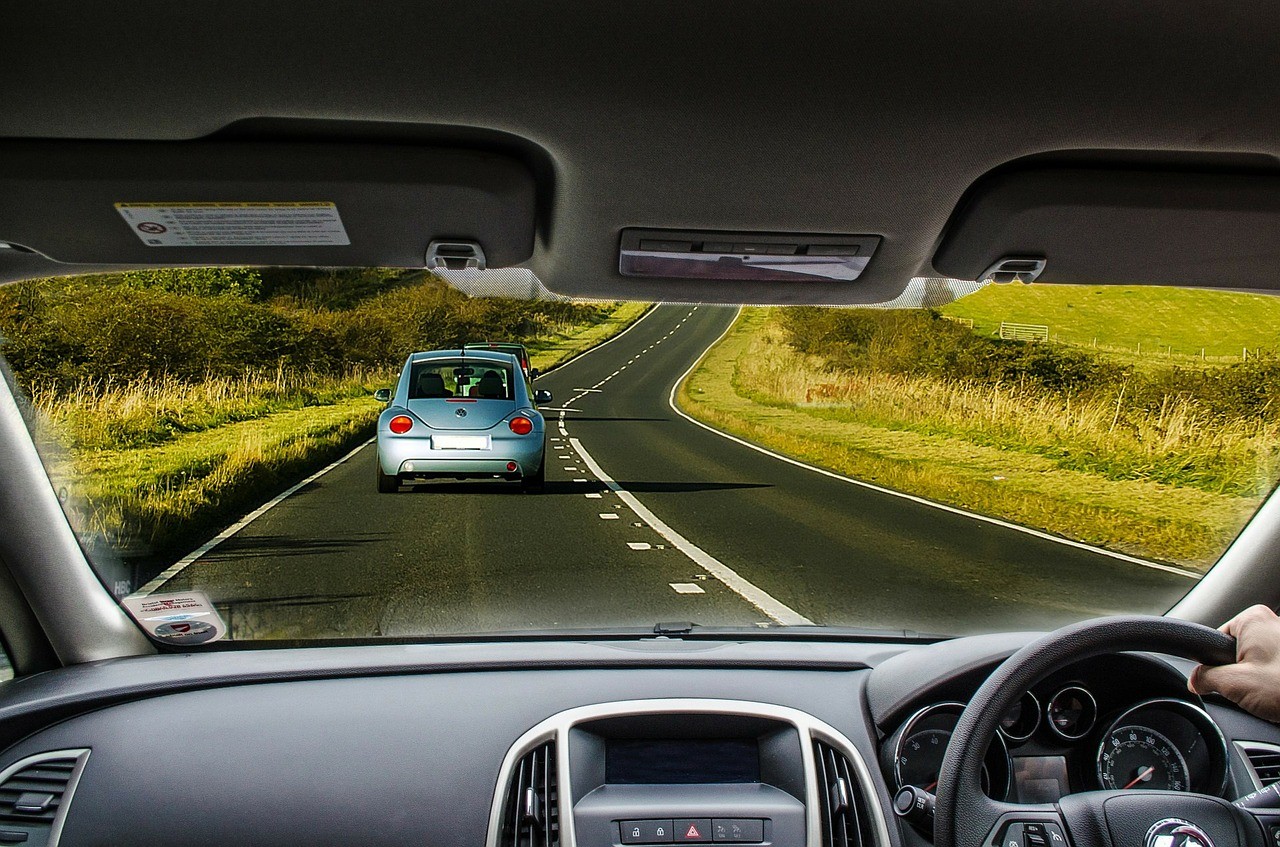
(1055, 835)
(692, 829)
(1013, 836)
(738, 830)
(646, 832)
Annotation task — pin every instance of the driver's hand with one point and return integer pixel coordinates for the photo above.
(1253, 682)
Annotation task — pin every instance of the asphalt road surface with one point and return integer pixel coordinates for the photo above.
(646, 517)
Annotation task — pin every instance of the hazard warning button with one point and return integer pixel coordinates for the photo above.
(692, 829)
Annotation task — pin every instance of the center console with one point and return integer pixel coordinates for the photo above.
(687, 779)
(667, 772)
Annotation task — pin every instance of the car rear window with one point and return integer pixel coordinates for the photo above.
(447, 378)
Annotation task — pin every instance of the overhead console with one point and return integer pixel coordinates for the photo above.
(684, 772)
(1078, 223)
(265, 203)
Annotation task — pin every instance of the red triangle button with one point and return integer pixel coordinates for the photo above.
(693, 831)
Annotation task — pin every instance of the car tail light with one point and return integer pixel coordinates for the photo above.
(511, 466)
(521, 426)
(400, 424)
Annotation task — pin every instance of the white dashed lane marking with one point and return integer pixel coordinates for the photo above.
(753, 594)
(757, 597)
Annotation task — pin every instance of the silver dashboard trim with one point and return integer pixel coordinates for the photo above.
(1048, 706)
(556, 728)
(81, 755)
(1242, 747)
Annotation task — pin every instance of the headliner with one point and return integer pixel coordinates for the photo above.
(787, 116)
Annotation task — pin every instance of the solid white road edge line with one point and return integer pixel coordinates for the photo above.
(180, 565)
(1026, 530)
(758, 597)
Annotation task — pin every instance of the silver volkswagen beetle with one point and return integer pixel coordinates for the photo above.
(461, 414)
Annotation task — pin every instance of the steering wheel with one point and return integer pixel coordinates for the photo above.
(966, 817)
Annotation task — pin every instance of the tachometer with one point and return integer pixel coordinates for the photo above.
(1139, 757)
(921, 744)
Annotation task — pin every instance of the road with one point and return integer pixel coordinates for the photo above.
(646, 517)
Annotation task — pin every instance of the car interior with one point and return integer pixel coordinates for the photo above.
(745, 153)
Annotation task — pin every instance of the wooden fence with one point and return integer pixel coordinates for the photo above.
(1024, 332)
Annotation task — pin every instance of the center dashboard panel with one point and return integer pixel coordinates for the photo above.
(686, 771)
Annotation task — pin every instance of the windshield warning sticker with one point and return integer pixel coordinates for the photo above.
(180, 619)
(235, 224)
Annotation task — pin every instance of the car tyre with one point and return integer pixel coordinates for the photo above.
(537, 481)
(386, 484)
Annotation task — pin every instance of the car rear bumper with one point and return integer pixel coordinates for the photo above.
(415, 457)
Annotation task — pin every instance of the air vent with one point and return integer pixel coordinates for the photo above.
(840, 802)
(35, 791)
(1264, 761)
(531, 810)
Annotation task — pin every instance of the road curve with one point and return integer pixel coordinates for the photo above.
(647, 517)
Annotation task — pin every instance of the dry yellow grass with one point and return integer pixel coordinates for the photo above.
(1181, 443)
(1079, 470)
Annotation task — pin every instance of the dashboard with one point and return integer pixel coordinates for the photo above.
(1115, 722)
(542, 744)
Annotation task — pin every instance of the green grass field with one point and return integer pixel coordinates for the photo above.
(1164, 321)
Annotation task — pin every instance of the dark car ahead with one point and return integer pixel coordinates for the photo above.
(514, 348)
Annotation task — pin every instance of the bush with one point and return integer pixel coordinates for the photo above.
(193, 324)
(919, 343)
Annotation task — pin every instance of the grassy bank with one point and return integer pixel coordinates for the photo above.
(246, 384)
(564, 345)
(1169, 484)
(157, 500)
(1147, 323)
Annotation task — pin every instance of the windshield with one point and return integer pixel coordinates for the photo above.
(356, 454)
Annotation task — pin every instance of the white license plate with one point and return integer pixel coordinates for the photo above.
(460, 442)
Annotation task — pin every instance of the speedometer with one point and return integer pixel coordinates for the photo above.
(1165, 745)
(1139, 757)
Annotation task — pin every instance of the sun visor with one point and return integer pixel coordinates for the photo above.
(250, 203)
(1106, 225)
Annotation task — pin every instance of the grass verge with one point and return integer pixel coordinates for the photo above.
(958, 445)
(565, 345)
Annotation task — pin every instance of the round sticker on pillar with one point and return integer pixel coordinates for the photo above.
(186, 632)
